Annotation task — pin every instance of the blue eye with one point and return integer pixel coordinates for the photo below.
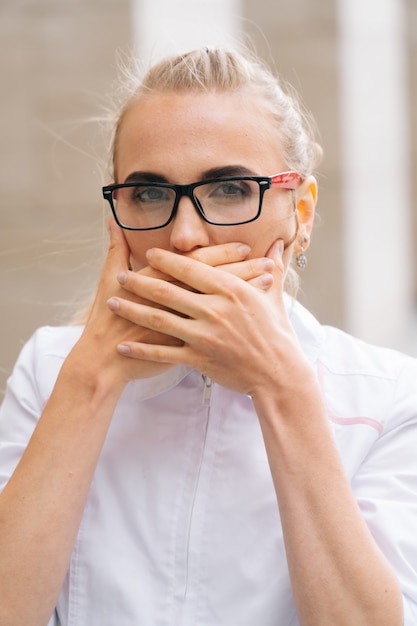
(231, 189)
(150, 194)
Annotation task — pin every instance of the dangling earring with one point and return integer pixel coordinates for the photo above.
(300, 257)
(301, 260)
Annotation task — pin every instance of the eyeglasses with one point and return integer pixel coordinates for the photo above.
(228, 201)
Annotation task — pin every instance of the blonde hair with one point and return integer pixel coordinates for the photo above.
(220, 70)
(224, 71)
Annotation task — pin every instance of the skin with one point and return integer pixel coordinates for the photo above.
(210, 297)
(192, 136)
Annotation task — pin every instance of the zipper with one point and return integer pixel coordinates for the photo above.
(206, 402)
(208, 386)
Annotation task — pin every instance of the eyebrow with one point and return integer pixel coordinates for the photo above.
(145, 177)
(227, 170)
(215, 172)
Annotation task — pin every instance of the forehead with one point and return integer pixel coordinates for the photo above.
(164, 130)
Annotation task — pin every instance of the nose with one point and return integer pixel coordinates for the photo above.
(188, 229)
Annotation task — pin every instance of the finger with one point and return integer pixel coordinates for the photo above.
(263, 282)
(155, 319)
(154, 295)
(153, 273)
(276, 251)
(117, 261)
(227, 255)
(221, 254)
(119, 252)
(197, 275)
(173, 355)
(250, 269)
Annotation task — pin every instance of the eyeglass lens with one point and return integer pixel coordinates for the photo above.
(149, 205)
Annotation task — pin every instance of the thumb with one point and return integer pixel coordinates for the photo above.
(276, 251)
(119, 252)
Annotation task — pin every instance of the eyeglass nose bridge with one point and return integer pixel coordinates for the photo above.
(187, 191)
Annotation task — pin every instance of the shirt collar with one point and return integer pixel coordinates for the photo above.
(308, 330)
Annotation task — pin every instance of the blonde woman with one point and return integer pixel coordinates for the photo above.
(202, 451)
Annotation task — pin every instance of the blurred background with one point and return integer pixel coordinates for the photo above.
(354, 63)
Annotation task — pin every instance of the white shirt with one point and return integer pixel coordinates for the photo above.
(181, 527)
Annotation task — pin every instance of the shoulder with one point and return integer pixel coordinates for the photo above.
(49, 342)
(28, 389)
(42, 356)
(344, 354)
(55, 340)
(371, 380)
(347, 355)
(358, 378)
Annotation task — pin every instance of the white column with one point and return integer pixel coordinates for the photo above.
(166, 26)
(376, 172)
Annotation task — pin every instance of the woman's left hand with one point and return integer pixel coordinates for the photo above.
(235, 333)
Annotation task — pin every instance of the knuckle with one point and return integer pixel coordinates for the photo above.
(156, 319)
(187, 265)
(161, 290)
(236, 291)
(254, 267)
(208, 343)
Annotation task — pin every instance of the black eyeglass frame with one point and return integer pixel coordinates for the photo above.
(284, 180)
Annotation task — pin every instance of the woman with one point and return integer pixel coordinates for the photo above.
(203, 451)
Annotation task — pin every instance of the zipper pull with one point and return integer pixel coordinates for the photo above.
(208, 385)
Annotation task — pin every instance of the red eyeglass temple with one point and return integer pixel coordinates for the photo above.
(287, 180)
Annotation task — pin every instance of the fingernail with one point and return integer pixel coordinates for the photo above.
(267, 265)
(113, 304)
(243, 250)
(123, 349)
(266, 280)
(149, 253)
(280, 246)
(122, 277)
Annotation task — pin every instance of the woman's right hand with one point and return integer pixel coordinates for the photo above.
(104, 330)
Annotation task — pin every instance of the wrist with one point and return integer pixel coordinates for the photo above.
(91, 373)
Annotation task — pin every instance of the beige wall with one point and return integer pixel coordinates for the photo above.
(304, 42)
(301, 43)
(58, 59)
(412, 74)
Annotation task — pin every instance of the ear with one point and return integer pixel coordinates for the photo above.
(306, 200)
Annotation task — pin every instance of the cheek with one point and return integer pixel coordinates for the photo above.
(140, 242)
(266, 232)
